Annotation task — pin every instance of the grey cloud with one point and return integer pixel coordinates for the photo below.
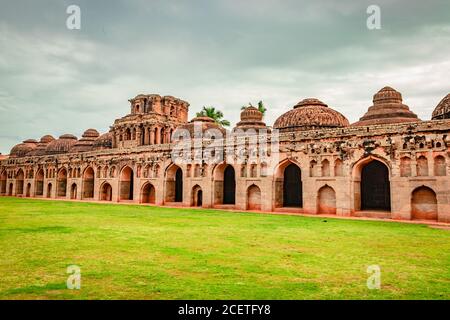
(222, 53)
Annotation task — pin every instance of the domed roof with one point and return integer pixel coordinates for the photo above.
(41, 147)
(61, 145)
(103, 142)
(442, 110)
(86, 142)
(251, 118)
(203, 122)
(309, 114)
(91, 133)
(46, 139)
(387, 108)
(23, 149)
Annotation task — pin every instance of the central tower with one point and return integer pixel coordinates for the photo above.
(152, 120)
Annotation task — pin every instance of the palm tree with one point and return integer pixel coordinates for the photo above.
(261, 107)
(214, 114)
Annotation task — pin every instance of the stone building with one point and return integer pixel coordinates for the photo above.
(389, 164)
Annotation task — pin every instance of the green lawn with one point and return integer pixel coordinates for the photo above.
(137, 252)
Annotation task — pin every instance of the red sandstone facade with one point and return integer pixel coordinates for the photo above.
(390, 164)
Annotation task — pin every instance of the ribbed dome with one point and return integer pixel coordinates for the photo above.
(40, 150)
(310, 114)
(61, 145)
(103, 142)
(23, 149)
(204, 123)
(387, 108)
(86, 142)
(442, 110)
(46, 139)
(251, 118)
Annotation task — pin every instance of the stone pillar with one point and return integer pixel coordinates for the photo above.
(152, 135)
(158, 135)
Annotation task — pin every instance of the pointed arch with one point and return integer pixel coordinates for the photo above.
(88, 183)
(28, 190)
(253, 197)
(326, 200)
(73, 191)
(126, 184)
(288, 184)
(3, 178)
(105, 192)
(61, 183)
(39, 183)
(338, 168)
(422, 166)
(197, 196)
(49, 190)
(148, 193)
(19, 182)
(174, 184)
(440, 166)
(424, 204)
(326, 168)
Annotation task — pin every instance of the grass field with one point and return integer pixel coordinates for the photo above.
(137, 252)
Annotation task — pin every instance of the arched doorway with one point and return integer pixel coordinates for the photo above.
(197, 196)
(61, 183)
(3, 178)
(10, 191)
(253, 198)
(229, 185)
(126, 184)
(174, 184)
(424, 204)
(19, 182)
(28, 190)
(326, 200)
(375, 187)
(73, 191)
(179, 185)
(148, 193)
(106, 192)
(49, 190)
(88, 183)
(39, 184)
(292, 187)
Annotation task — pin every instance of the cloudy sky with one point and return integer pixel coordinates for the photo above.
(223, 53)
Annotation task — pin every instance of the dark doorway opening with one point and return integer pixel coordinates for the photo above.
(179, 185)
(292, 187)
(375, 188)
(199, 198)
(229, 186)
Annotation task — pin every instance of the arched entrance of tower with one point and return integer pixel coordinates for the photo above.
(372, 183)
(254, 198)
(126, 184)
(224, 184)
(288, 185)
(49, 190)
(39, 183)
(174, 184)
(19, 182)
(424, 204)
(88, 183)
(197, 196)
(326, 200)
(148, 193)
(106, 192)
(61, 183)
(73, 191)
(3, 178)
